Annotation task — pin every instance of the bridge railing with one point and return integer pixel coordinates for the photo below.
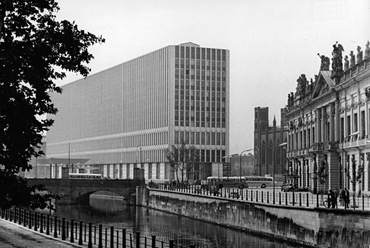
(82, 233)
(297, 199)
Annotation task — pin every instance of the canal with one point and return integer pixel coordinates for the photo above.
(166, 226)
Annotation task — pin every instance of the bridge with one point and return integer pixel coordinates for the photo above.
(74, 191)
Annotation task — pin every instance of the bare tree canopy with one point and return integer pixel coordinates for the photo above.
(182, 158)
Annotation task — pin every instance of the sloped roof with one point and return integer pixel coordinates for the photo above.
(323, 81)
(189, 44)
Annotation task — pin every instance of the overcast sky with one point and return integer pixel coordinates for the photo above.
(271, 42)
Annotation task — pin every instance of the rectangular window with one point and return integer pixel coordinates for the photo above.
(203, 139)
(296, 141)
(348, 125)
(363, 125)
(341, 129)
(355, 122)
(309, 137)
(313, 135)
(191, 137)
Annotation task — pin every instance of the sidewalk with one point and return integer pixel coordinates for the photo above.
(16, 236)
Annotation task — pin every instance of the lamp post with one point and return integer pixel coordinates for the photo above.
(343, 159)
(228, 156)
(240, 165)
(273, 173)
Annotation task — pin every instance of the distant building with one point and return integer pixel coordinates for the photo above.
(329, 124)
(247, 162)
(125, 117)
(269, 149)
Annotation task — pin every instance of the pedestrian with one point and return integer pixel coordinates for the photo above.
(341, 197)
(333, 199)
(346, 198)
(330, 195)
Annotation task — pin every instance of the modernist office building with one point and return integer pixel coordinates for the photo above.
(127, 116)
(329, 124)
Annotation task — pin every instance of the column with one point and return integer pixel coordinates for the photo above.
(318, 126)
(333, 171)
(333, 110)
(323, 117)
(337, 121)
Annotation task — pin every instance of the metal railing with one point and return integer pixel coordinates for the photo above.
(297, 199)
(82, 233)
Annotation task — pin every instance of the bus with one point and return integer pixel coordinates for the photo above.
(84, 176)
(231, 182)
(259, 181)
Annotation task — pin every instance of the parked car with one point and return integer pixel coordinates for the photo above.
(288, 187)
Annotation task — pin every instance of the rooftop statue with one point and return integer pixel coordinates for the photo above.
(352, 60)
(337, 65)
(367, 50)
(359, 54)
(346, 63)
(310, 86)
(290, 99)
(302, 85)
(325, 62)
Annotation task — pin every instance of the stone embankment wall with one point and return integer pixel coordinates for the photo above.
(305, 226)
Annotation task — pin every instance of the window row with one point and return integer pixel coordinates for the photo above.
(198, 53)
(198, 123)
(200, 84)
(350, 127)
(200, 138)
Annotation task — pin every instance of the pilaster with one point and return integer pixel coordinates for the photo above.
(333, 170)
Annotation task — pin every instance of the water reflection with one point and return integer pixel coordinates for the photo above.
(165, 226)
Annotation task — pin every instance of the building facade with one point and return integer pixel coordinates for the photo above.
(329, 125)
(268, 149)
(247, 165)
(127, 116)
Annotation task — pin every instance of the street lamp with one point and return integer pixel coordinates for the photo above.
(273, 174)
(343, 159)
(228, 156)
(240, 166)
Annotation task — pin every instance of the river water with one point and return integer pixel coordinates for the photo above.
(168, 226)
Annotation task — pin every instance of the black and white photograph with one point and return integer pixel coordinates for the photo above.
(185, 123)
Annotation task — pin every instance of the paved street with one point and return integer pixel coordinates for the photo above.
(16, 236)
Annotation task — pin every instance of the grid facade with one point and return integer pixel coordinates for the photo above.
(133, 112)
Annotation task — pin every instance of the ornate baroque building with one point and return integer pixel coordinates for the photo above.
(268, 140)
(329, 125)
